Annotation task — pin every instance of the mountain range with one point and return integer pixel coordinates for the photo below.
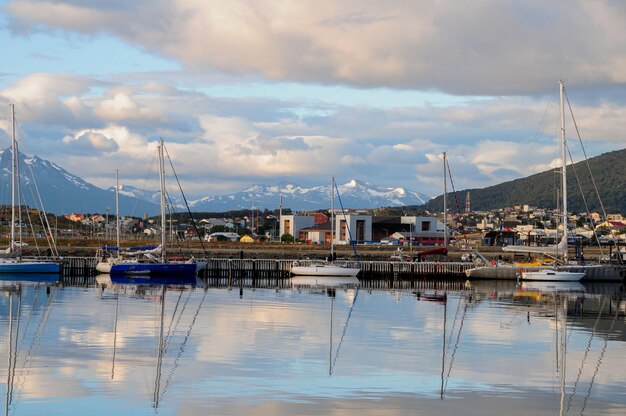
(60, 191)
(65, 193)
(353, 194)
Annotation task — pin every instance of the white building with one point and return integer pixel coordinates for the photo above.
(424, 230)
(292, 224)
(359, 227)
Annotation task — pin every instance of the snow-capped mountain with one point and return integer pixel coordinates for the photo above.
(354, 194)
(64, 193)
(60, 191)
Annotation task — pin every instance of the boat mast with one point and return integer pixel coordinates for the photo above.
(445, 204)
(13, 162)
(117, 211)
(563, 169)
(563, 353)
(332, 217)
(162, 180)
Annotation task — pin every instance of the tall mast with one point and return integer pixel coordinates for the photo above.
(563, 168)
(332, 217)
(162, 180)
(445, 203)
(117, 210)
(13, 162)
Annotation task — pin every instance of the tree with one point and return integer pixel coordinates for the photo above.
(286, 238)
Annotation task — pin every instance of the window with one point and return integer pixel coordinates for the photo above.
(425, 226)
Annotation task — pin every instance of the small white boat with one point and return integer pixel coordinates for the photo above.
(323, 269)
(552, 275)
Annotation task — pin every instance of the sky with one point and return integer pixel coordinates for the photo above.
(249, 92)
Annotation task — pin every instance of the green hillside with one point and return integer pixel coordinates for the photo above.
(609, 173)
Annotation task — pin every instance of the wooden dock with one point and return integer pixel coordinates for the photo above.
(232, 269)
(236, 268)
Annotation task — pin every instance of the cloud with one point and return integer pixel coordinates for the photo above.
(463, 49)
(224, 144)
(122, 107)
(90, 141)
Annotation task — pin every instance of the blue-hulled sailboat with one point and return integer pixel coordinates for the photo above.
(151, 265)
(11, 260)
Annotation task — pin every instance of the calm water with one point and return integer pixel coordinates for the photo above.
(135, 349)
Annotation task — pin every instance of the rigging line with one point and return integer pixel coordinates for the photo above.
(456, 200)
(542, 126)
(13, 362)
(345, 328)
(181, 349)
(38, 203)
(193, 221)
(595, 373)
(456, 346)
(583, 361)
(34, 346)
(345, 219)
(169, 329)
(593, 181)
(32, 228)
(160, 353)
(456, 314)
(44, 220)
(583, 196)
(180, 315)
(171, 211)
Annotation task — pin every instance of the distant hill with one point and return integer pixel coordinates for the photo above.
(608, 169)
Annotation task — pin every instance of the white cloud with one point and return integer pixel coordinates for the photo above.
(123, 107)
(90, 141)
(472, 48)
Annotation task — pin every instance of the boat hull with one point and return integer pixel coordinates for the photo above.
(324, 270)
(15, 266)
(104, 266)
(154, 269)
(552, 276)
(499, 272)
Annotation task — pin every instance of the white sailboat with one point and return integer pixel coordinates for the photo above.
(326, 268)
(558, 274)
(12, 261)
(551, 272)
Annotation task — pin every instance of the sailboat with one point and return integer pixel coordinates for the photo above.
(12, 261)
(149, 264)
(559, 251)
(556, 274)
(326, 268)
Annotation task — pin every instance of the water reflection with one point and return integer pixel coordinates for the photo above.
(196, 347)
